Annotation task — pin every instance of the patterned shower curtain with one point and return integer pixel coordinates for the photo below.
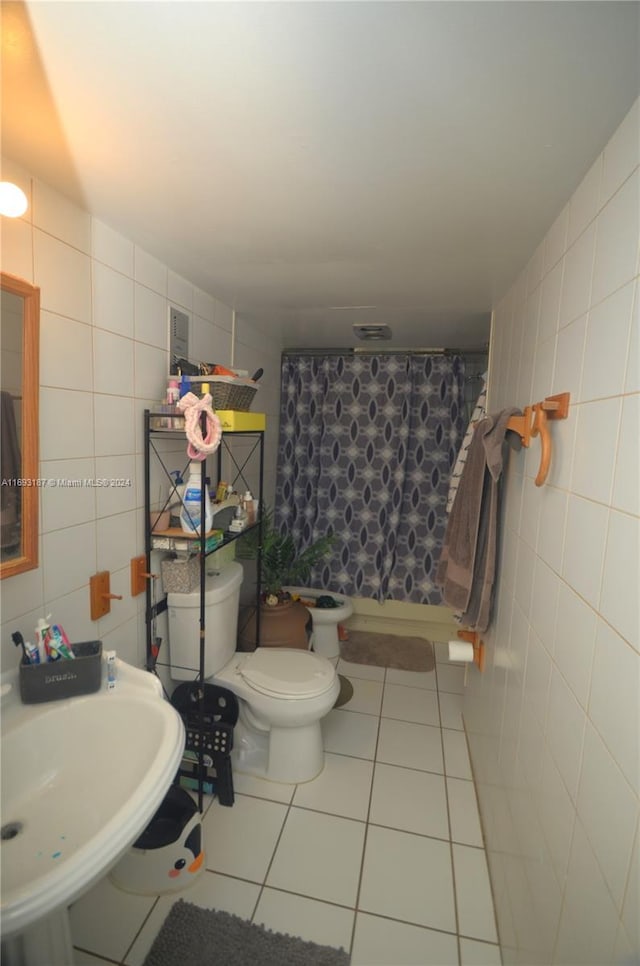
(367, 443)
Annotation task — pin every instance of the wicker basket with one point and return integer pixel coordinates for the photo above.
(228, 392)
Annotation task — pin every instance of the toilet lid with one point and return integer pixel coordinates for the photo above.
(287, 672)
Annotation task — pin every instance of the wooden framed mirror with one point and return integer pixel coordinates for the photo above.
(19, 393)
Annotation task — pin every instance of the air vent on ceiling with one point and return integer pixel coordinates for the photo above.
(372, 333)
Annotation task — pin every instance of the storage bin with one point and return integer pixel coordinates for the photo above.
(64, 678)
(229, 392)
(180, 576)
(168, 855)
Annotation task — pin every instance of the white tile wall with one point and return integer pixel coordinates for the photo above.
(112, 300)
(619, 598)
(103, 359)
(578, 264)
(66, 358)
(616, 257)
(626, 483)
(555, 742)
(149, 271)
(54, 264)
(606, 345)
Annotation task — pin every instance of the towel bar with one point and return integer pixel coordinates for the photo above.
(553, 407)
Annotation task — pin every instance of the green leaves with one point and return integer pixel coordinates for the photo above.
(281, 564)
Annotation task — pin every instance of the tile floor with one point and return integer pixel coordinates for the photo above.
(382, 854)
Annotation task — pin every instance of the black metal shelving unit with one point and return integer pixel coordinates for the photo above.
(205, 737)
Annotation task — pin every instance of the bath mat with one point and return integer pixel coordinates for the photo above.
(191, 936)
(346, 691)
(388, 650)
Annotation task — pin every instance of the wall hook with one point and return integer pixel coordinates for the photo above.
(140, 575)
(100, 595)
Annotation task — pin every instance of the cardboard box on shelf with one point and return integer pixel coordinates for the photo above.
(233, 420)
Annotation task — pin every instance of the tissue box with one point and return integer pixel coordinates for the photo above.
(180, 576)
(64, 678)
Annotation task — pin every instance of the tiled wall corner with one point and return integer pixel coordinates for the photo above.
(554, 724)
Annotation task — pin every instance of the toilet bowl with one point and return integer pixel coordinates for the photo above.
(283, 693)
(325, 640)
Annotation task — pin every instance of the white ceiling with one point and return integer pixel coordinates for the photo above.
(320, 164)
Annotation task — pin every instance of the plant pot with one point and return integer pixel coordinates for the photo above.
(282, 626)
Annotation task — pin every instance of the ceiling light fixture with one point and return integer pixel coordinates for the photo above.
(371, 333)
(13, 200)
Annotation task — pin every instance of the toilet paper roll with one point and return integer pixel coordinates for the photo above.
(460, 651)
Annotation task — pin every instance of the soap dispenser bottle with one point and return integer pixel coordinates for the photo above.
(190, 518)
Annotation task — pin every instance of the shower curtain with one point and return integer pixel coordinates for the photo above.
(367, 443)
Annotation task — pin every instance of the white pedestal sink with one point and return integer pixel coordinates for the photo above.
(81, 778)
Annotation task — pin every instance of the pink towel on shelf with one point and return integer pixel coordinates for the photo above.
(466, 570)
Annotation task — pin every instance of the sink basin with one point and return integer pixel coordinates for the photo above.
(81, 778)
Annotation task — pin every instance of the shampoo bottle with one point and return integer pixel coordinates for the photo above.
(185, 385)
(191, 503)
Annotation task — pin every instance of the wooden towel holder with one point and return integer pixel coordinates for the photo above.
(533, 422)
(553, 407)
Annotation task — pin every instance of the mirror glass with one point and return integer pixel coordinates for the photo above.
(19, 389)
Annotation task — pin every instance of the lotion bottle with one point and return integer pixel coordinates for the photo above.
(250, 507)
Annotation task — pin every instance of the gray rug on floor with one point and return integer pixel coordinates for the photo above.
(388, 650)
(191, 936)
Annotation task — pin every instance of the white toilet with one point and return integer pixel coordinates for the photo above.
(283, 693)
(325, 640)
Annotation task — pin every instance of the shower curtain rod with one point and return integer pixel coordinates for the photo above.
(357, 351)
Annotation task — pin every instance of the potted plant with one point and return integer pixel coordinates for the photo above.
(283, 620)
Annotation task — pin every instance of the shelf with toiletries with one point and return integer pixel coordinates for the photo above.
(228, 510)
(233, 512)
(175, 540)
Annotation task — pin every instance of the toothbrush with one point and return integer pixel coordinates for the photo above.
(30, 651)
(18, 640)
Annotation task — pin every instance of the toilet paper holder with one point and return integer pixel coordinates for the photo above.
(473, 638)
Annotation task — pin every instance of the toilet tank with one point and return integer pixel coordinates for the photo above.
(222, 599)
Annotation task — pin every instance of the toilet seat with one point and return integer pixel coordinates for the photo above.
(287, 673)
